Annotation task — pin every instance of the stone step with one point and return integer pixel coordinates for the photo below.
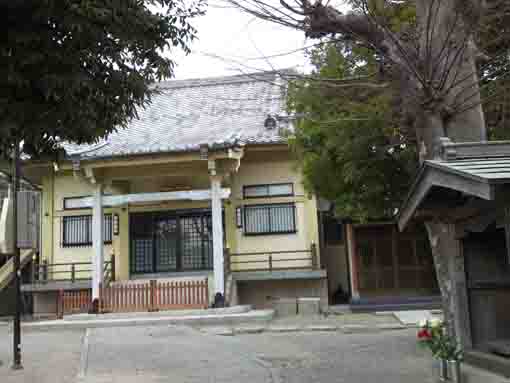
(162, 314)
(256, 317)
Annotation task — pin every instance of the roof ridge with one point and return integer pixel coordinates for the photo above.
(220, 80)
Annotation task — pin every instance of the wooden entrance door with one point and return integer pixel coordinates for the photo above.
(393, 263)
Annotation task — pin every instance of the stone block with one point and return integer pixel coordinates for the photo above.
(308, 306)
(45, 303)
(285, 307)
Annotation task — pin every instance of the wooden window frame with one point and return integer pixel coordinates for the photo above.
(294, 223)
(74, 208)
(80, 197)
(268, 195)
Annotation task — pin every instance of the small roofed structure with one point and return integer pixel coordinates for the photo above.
(464, 193)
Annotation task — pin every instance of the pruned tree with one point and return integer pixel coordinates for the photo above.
(76, 70)
(433, 60)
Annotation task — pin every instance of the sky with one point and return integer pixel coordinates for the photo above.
(233, 42)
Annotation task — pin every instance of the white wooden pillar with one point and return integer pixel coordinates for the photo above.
(217, 231)
(97, 240)
(353, 262)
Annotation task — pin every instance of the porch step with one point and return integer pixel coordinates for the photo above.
(255, 317)
(396, 304)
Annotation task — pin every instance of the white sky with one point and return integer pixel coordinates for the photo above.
(239, 39)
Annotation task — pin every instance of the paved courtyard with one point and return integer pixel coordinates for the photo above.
(184, 354)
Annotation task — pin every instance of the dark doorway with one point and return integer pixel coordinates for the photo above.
(488, 279)
(394, 264)
(170, 241)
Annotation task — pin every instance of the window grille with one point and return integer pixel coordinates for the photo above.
(270, 219)
(77, 230)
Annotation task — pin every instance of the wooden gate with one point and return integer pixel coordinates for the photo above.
(154, 296)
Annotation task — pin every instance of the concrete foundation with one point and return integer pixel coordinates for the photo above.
(274, 293)
(308, 306)
(45, 303)
(285, 307)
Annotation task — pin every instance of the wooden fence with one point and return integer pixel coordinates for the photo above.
(152, 296)
(73, 302)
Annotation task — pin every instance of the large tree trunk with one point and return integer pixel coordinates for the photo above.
(447, 54)
(449, 62)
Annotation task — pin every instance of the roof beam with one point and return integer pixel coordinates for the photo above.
(124, 199)
(433, 177)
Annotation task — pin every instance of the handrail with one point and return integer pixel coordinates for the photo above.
(271, 252)
(46, 272)
(272, 262)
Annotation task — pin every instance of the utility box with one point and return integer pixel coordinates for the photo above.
(28, 222)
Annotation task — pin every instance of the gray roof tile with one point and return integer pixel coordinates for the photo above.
(488, 169)
(186, 114)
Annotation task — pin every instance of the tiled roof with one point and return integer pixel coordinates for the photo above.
(186, 114)
(475, 169)
(482, 169)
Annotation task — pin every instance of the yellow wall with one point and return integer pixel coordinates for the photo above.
(65, 185)
(268, 170)
(256, 168)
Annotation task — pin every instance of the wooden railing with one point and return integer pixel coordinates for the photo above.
(73, 301)
(70, 272)
(139, 297)
(272, 260)
(154, 296)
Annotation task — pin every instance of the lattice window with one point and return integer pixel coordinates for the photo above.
(77, 230)
(270, 219)
(141, 256)
(196, 242)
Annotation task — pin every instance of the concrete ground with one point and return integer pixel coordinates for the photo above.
(189, 355)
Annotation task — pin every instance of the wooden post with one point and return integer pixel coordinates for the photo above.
(60, 304)
(97, 240)
(506, 224)
(270, 262)
(227, 260)
(33, 271)
(45, 271)
(112, 268)
(152, 295)
(73, 272)
(353, 262)
(206, 292)
(217, 231)
(313, 250)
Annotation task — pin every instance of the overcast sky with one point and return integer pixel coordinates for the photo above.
(239, 40)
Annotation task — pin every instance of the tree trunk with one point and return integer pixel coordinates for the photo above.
(447, 54)
(455, 112)
(440, 243)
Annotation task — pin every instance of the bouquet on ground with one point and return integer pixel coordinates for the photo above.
(433, 335)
